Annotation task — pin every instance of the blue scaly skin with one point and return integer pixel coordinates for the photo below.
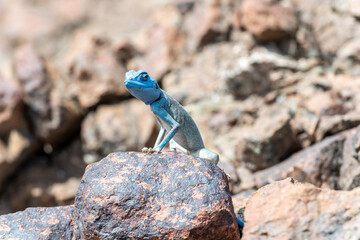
(177, 126)
(180, 129)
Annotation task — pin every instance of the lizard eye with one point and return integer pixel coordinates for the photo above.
(144, 77)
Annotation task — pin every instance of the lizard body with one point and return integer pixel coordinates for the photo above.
(177, 126)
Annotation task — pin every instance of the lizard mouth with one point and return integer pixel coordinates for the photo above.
(135, 84)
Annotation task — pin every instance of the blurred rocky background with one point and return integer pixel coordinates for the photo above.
(272, 84)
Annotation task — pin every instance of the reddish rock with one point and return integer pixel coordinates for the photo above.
(267, 20)
(96, 75)
(208, 22)
(158, 196)
(51, 112)
(122, 127)
(162, 42)
(291, 210)
(38, 223)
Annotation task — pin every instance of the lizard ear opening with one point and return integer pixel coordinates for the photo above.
(157, 86)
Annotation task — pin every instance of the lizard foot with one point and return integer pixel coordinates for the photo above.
(150, 150)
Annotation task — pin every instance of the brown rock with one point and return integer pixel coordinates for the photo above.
(252, 73)
(349, 173)
(208, 22)
(15, 148)
(331, 163)
(230, 170)
(158, 196)
(96, 74)
(70, 158)
(54, 20)
(267, 20)
(291, 210)
(10, 105)
(121, 127)
(50, 110)
(239, 206)
(330, 125)
(38, 184)
(348, 7)
(318, 164)
(318, 24)
(162, 42)
(38, 223)
(268, 141)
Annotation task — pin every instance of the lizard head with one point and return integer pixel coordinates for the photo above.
(142, 86)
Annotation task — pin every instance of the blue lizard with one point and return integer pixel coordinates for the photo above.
(182, 132)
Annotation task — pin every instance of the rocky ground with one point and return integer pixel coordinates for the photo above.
(273, 86)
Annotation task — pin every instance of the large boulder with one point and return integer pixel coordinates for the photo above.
(158, 196)
(290, 210)
(38, 223)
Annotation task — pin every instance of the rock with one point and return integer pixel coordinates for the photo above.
(267, 20)
(162, 42)
(10, 105)
(125, 52)
(318, 164)
(239, 206)
(200, 79)
(70, 158)
(230, 170)
(15, 148)
(212, 19)
(268, 141)
(51, 112)
(55, 20)
(331, 163)
(38, 184)
(38, 223)
(291, 210)
(330, 125)
(251, 73)
(121, 127)
(348, 7)
(315, 33)
(158, 196)
(349, 173)
(96, 75)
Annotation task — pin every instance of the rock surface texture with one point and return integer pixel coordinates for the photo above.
(137, 196)
(290, 210)
(38, 223)
(159, 196)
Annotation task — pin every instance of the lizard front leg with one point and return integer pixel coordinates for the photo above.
(158, 140)
(164, 115)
